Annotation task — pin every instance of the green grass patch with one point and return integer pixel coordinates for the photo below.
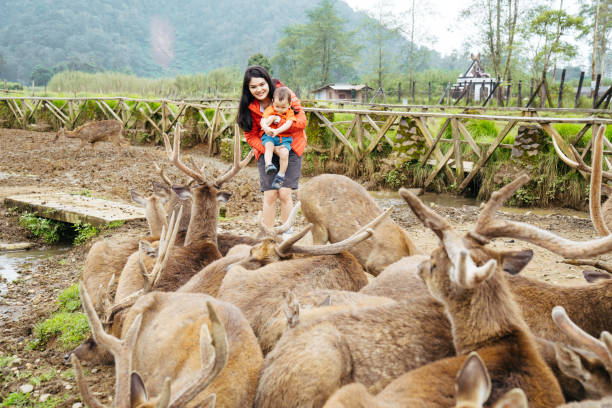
(43, 377)
(69, 300)
(84, 232)
(19, 399)
(70, 329)
(48, 230)
(7, 361)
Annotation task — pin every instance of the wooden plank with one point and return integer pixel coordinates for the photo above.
(457, 148)
(112, 112)
(383, 130)
(183, 106)
(150, 121)
(36, 106)
(435, 149)
(463, 130)
(371, 122)
(581, 133)
(356, 122)
(75, 208)
(203, 116)
(485, 157)
(58, 113)
(337, 133)
(430, 150)
(102, 109)
(441, 164)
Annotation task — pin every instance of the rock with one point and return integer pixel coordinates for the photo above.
(77, 405)
(26, 388)
(44, 397)
(18, 245)
(68, 386)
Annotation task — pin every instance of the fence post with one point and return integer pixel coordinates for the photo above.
(499, 93)
(448, 99)
(579, 89)
(597, 82)
(519, 97)
(543, 91)
(508, 91)
(413, 86)
(560, 100)
(429, 92)
(399, 92)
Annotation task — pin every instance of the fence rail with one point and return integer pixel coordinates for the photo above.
(421, 130)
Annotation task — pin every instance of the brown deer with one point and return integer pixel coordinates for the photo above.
(326, 199)
(185, 373)
(592, 366)
(108, 257)
(415, 331)
(468, 279)
(473, 387)
(260, 292)
(99, 131)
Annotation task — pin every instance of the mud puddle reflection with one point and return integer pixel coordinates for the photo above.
(13, 263)
(387, 198)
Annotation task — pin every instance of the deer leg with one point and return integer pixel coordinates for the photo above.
(83, 142)
(319, 235)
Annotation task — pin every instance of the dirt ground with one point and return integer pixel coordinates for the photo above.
(32, 162)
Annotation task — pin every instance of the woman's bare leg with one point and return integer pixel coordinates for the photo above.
(269, 207)
(286, 202)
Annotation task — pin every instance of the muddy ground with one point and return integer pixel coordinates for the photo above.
(33, 162)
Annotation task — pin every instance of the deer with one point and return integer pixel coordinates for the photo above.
(259, 293)
(325, 201)
(106, 258)
(310, 307)
(473, 387)
(591, 364)
(415, 330)
(190, 367)
(468, 279)
(98, 131)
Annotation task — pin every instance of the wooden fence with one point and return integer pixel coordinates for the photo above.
(359, 133)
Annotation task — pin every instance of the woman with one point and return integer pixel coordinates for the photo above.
(257, 92)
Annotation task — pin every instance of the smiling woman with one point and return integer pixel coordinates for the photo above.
(257, 95)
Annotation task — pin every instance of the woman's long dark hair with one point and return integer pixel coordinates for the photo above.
(245, 121)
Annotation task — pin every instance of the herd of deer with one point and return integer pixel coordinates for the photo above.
(360, 318)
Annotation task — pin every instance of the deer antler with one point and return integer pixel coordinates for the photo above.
(275, 231)
(174, 155)
(237, 163)
(602, 348)
(122, 350)
(162, 173)
(488, 227)
(213, 353)
(362, 234)
(595, 192)
(166, 243)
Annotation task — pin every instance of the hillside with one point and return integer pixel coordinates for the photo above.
(189, 36)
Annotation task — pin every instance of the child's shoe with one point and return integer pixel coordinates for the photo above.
(278, 182)
(270, 168)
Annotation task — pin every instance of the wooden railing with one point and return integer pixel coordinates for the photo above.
(359, 136)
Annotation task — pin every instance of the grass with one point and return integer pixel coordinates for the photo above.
(48, 230)
(67, 326)
(19, 399)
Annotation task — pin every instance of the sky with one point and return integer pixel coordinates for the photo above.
(442, 20)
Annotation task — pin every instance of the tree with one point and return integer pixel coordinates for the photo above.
(261, 60)
(547, 28)
(41, 75)
(497, 37)
(323, 51)
(598, 16)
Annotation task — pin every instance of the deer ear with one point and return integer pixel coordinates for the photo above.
(473, 383)
(594, 276)
(570, 363)
(184, 193)
(224, 196)
(515, 398)
(160, 189)
(137, 198)
(514, 261)
(138, 391)
(147, 248)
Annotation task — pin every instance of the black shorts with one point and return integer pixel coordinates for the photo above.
(292, 176)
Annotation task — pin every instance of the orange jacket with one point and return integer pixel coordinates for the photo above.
(296, 131)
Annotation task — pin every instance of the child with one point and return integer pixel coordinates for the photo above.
(272, 139)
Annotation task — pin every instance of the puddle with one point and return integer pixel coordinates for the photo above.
(386, 198)
(11, 262)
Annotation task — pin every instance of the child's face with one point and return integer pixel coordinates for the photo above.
(280, 106)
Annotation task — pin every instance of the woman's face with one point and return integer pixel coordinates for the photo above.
(259, 88)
